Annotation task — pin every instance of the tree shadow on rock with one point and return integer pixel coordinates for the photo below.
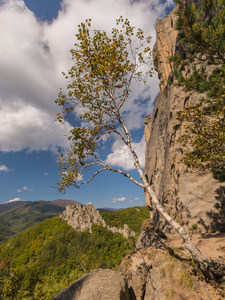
(218, 215)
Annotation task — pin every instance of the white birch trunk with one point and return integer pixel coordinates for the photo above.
(208, 266)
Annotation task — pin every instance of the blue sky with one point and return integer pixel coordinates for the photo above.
(36, 37)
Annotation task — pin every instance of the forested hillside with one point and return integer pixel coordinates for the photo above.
(38, 263)
(132, 216)
(16, 218)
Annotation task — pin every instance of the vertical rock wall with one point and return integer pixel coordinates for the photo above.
(190, 198)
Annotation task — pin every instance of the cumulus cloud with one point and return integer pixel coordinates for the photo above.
(121, 156)
(14, 200)
(4, 168)
(29, 83)
(33, 54)
(26, 126)
(46, 174)
(121, 199)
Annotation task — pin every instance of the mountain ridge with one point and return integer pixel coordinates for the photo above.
(27, 214)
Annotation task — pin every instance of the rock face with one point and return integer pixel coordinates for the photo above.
(164, 47)
(157, 274)
(97, 285)
(82, 217)
(149, 236)
(190, 198)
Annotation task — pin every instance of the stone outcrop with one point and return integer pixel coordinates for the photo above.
(149, 236)
(97, 285)
(159, 274)
(164, 47)
(82, 217)
(154, 273)
(190, 198)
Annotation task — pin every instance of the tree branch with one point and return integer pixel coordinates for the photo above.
(106, 167)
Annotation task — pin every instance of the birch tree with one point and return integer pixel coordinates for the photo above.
(100, 83)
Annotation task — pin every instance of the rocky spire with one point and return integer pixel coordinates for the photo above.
(82, 217)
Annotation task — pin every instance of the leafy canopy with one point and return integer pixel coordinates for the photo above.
(48, 257)
(202, 45)
(132, 216)
(99, 85)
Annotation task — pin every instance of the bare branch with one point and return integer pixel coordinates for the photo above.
(96, 173)
(106, 167)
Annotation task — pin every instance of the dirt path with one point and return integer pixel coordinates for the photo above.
(211, 245)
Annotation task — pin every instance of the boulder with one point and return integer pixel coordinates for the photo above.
(97, 285)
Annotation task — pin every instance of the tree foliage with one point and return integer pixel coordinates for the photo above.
(201, 41)
(132, 216)
(99, 85)
(48, 257)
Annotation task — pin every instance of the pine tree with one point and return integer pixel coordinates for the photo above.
(201, 40)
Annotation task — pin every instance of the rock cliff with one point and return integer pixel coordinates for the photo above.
(82, 217)
(193, 199)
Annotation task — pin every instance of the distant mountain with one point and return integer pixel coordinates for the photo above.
(28, 214)
(13, 204)
(63, 202)
(5, 231)
(104, 209)
(10, 205)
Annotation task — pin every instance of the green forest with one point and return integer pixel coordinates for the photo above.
(39, 262)
(17, 219)
(132, 216)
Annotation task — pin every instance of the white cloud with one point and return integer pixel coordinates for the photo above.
(80, 178)
(33, 54)
(135, 199)
(121, 199)
(24, 188)
(46, 174)
(29, 83)
(13, 200)
(29, 127)
(121, 156)
(4, 168)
